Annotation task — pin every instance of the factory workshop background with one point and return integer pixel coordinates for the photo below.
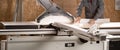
(32, 9)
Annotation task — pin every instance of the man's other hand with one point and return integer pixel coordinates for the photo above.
(91, 22)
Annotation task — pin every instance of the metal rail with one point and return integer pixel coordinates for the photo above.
(27, 31)
(79, 32)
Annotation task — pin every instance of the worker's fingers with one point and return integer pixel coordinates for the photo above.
(77, 20)
(91, 22)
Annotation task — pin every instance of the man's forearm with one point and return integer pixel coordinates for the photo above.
(79, 9)
(100, 11)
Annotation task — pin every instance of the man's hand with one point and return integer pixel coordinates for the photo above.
(91, 22)
(77, 20)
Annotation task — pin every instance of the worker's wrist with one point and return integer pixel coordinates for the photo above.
(95, 18)
(77, 19)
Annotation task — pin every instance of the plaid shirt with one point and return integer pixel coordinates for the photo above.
(93, 10)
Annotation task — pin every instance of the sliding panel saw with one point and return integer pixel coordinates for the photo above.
(50, 32)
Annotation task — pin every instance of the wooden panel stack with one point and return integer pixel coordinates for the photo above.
(31, 9)
(7, 10)
(110, 11)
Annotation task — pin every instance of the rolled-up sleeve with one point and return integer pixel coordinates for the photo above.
(79, 9)
(100, 11)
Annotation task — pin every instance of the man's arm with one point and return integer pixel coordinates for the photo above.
(100, 10)
(79, 9)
